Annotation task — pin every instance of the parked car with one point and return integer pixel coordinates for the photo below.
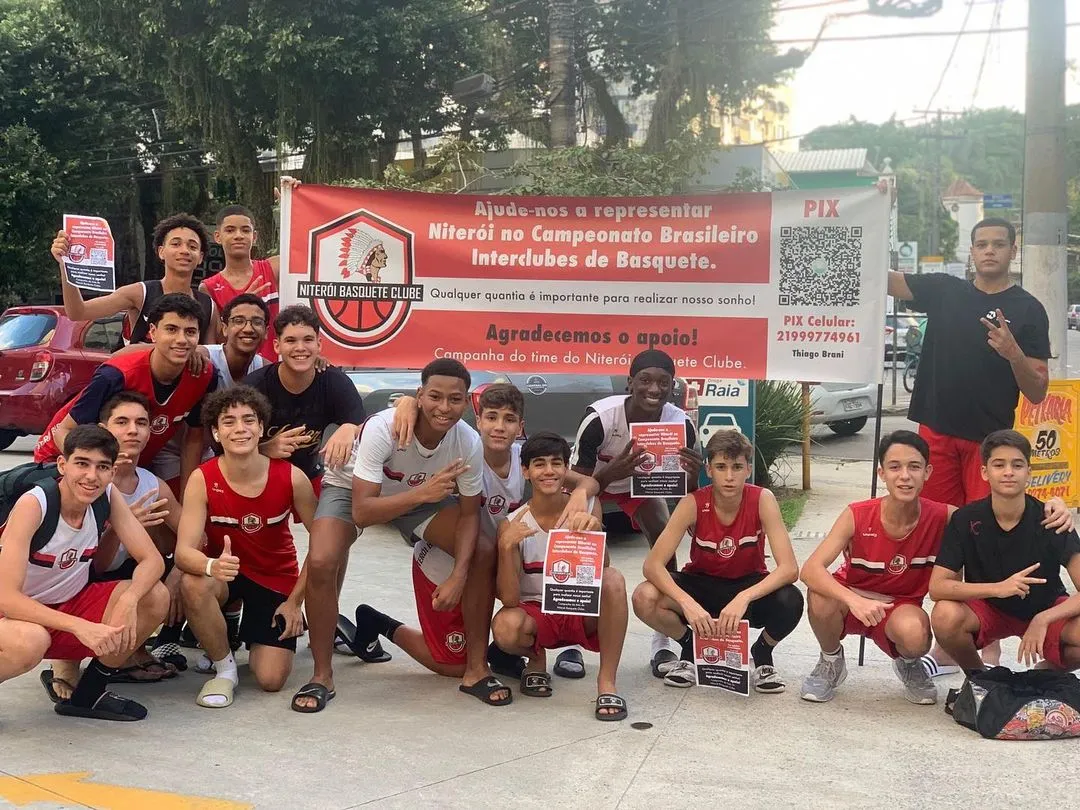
(842, 407)
(45, 360)
(1073, 316)
(899, 323)
(553, 402)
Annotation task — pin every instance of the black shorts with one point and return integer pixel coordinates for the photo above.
(126, 571)
(714, 593)
(256, 623)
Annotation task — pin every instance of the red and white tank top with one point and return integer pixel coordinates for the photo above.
(60, 569)
(880, 564)
(258, 527)
(222, 292)
(729, 551)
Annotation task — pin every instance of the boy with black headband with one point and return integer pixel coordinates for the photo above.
(604, 450)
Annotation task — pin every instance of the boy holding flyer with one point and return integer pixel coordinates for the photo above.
(521, 627)
(726, 579)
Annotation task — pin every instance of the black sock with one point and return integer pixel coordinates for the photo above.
(687, 644)
(92, 684)
(370, 624)
(762, 652)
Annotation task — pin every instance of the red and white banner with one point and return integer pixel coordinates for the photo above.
(784, 285)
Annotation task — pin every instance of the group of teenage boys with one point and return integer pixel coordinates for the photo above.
(98, 557)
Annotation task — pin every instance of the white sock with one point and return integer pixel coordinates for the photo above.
(661, 642)
(833, 656)
(226, 668)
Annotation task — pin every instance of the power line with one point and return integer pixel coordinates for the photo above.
(995, 21)
(952, 54)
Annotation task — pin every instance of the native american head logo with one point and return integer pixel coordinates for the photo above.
(360, 279)
(362, 254)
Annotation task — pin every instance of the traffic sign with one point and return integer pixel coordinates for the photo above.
(997, 201)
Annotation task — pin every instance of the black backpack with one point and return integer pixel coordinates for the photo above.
(17, 481)
(1000, 704)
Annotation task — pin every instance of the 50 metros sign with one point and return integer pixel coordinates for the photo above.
(787, 285)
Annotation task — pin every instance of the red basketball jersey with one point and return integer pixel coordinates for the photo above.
(727, 551)
(875, 562)
(261, 273)
(165, 417)
(258, 528)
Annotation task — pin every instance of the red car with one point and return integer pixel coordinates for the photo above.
(45, 360)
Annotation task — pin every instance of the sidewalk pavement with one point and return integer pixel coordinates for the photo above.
(398, 737)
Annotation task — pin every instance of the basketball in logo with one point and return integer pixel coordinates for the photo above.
(251, 523)
(361, 274)
(416, 479)
(455, 642)
(496, 504)
(560, 571)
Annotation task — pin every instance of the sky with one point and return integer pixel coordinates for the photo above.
(878, 79)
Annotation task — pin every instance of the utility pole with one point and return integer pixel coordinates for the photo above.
(562, 26)
(1045, 222)
(935, 208)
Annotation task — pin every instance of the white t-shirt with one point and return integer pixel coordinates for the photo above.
(61, 569)
(167, 461)
(147, 482)
(501, 496)
(378, 460)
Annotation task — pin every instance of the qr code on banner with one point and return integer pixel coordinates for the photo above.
(820, 265)
(98, 256)
(670, 463)
(585, 574)
(732, 659)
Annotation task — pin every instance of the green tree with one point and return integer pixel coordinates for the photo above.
(70, 123)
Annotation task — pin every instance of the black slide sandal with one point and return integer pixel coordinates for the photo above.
(371, 653)
(483, 691)
(536, 684)
(610, 701)
(48, 680)
(320, 693)
(109, 706)
(570, 664)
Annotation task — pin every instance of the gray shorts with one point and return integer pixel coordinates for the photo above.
(412, 524)
(335, 502)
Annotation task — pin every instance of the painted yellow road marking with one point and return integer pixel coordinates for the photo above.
(69, 789)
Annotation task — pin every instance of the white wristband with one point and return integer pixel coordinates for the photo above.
(209, 566)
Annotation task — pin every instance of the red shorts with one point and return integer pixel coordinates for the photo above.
(555, 630)
(853, 627)
(995, 625)
(444, 630)
(957, 475)
(89, 604)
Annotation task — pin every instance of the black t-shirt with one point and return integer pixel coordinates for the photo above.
(976, 543)
(331, 399)
(964, 388)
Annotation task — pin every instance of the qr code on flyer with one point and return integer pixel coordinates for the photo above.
(732, 659)
(671, 463)
(820, 265)
(585, 574)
